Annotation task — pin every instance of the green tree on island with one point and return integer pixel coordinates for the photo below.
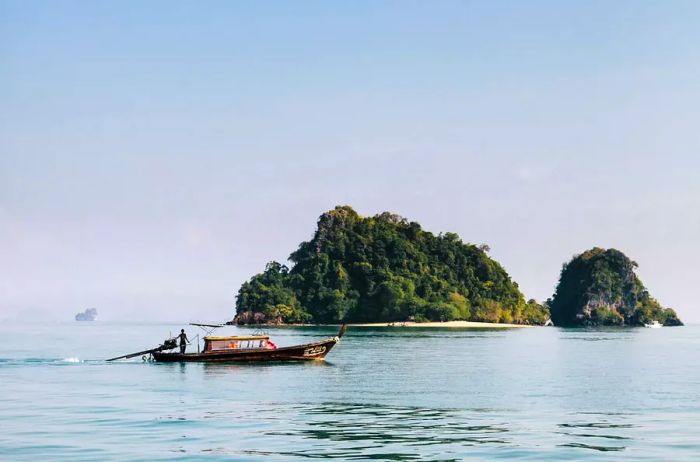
(383, 269)
(600, 287)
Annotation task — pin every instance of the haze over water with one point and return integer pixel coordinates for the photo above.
(155, 155)
(385, 394)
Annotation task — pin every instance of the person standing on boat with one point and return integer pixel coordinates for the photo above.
(183, 341)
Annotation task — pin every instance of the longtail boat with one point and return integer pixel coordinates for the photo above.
(240, 348)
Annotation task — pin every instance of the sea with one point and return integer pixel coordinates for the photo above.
(394, 394)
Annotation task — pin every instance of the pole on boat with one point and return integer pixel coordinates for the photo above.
(132, 355)
(169, 344)
(343, 328)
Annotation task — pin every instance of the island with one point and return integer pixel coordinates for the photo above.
(600, 288)
(89, 314)
(384, 269)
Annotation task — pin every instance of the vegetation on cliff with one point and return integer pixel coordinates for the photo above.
(383, 269)
(600, 287)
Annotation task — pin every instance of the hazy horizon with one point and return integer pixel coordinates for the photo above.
(155, 156)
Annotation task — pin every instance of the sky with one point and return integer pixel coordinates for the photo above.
(155, 155)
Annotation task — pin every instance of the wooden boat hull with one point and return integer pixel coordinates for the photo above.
(307, 352)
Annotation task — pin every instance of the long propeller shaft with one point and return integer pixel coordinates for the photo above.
(132, 355)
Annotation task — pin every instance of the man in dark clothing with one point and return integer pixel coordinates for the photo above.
(183, 341)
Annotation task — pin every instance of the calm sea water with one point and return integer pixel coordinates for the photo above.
(382, 394)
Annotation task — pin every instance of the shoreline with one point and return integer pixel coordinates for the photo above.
(413, 324)
(472, 324)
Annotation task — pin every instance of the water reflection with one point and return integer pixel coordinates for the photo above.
(370, 431)
(584, 434)
(405, 433)
(224, 369)
(599, 334)
(590, 446)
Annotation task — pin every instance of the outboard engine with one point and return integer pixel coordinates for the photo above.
(169, 344)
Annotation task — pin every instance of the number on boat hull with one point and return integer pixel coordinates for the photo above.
(314, 351)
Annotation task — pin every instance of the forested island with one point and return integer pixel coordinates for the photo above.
(89, 314)
(383, 268)
(600, 288)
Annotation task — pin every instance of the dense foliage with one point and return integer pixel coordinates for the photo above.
(383, 269)
(599, 287)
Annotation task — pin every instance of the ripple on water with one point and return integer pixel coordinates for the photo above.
(584, 433)
(364, 431)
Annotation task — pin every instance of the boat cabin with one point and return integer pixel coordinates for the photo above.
(238, 342)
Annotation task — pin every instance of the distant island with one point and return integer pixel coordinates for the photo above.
(89, 314)
(383, 269)
(600, 288)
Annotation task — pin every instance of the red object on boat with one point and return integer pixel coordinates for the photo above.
(271, 345)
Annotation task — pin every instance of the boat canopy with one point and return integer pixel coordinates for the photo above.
(234, 342)
(238, 337)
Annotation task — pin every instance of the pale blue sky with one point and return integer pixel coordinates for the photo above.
(154, 155)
